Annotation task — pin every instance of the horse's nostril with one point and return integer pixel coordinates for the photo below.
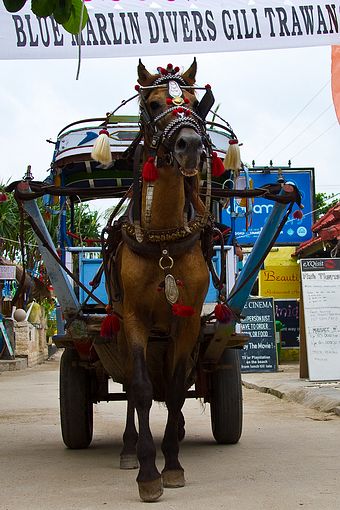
(181, 144)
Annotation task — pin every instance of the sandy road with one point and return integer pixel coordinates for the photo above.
(288, 456)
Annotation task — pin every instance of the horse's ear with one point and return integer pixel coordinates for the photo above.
(190, 75)
(144, 77)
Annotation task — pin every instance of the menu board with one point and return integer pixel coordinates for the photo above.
(321, 299)
(259, 354)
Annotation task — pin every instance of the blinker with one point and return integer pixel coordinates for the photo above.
(205, 104)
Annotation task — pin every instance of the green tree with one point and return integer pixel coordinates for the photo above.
(323, 202)
(86, 225)
(9, 224)
(71, 14)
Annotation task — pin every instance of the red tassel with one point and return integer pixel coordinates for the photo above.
(223, 313)
(110, 326)
(150, 172)
(297, 215)
(217, 165)
(182, 310)
(3, 197)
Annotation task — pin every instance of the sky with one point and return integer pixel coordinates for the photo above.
(278, 102)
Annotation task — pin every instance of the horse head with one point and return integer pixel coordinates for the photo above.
(173, 130)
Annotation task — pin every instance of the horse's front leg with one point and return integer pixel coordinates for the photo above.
(148, 479)
(173, 473)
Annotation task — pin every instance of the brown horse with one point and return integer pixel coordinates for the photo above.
(161, 271)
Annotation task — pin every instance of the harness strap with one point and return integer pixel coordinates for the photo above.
(136, 208)
(218, 280)
(147, 249)
(109, 249)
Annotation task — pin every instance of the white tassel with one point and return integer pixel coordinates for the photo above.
(232, 160)
(101, 149)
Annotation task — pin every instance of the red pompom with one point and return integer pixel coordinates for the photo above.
(233, 141)
(223, 313)
(176, 69)
(3, 197)
(208, 86)
(182, 310)
(104, 132)
(217, 167)
(137, 88)
(150, 172)
(186, 100)
(110, 326)
(168, 100)
(297, 215)
(163, 71)
(169, 66)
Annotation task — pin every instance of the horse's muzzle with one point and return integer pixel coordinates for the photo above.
(188, 150)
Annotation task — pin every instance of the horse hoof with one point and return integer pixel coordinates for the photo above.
(150, 491)
(128, 462)
(173, 478)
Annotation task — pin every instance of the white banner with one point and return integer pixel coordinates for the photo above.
(144, 27)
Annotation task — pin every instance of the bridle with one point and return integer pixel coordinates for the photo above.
(184, 115)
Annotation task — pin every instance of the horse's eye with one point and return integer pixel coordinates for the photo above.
(155, 105)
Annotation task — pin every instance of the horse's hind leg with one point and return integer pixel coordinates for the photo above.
(181, 427)
(173, 473)
(149, 479)
(128, 455)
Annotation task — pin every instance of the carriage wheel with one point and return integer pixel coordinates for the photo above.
(226, 399)
(76, 406)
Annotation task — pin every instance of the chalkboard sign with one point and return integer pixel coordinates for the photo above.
(259, 354)
(287, 312)
(321, 301)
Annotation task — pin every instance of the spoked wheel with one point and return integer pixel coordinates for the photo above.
(76, 406)
(226, 399)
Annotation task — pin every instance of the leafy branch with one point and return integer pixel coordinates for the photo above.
(71, 14)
